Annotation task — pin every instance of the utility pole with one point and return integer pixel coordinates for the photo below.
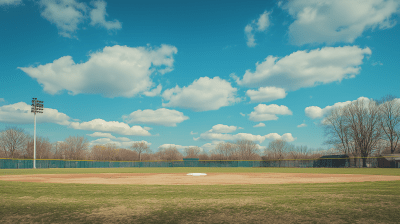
(37, 107)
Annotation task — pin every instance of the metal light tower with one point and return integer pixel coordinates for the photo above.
(37, 107)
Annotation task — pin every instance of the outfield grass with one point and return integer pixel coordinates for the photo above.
(371, 171)
(365, 202)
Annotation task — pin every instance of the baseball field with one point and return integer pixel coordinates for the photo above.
(224, 195)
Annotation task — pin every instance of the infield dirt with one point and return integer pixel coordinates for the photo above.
(209, 179)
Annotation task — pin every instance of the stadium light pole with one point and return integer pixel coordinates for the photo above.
(37, 107)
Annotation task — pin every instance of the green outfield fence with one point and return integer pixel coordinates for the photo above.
(325, 161)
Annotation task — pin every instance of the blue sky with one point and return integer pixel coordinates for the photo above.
(192, 73)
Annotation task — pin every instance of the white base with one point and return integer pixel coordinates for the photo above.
(197, 174)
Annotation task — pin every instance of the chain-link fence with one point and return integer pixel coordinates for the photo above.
(370, 162)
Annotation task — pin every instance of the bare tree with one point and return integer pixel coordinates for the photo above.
(192, 152)
(126, 155)
(364, 120)
(204, 156)
(140, 147)
(277, 149)
(13, 140)
(298, 152)
(107, 152)
(43, 148)
(389, 106)
(169, 154)
(225, 150)
(337, 129)
(247, 150)
(74, 147)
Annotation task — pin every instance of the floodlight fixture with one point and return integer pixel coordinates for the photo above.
(37, 107)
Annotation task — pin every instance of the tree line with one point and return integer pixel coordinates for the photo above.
(15, 143)
(364, 128)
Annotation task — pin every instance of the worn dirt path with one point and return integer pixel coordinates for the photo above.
(184, 179)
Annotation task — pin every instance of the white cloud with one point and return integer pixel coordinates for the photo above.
(98, 14)
(2, 100)
(246, 136)
(266, 94)
(263, 112)
(116, 71)
(263, 21)
(124, 139)
(193, 133)
(10, 2)
(65, 14)
(307, 69)
(20, 113)
(314, 112)
(221, 128)
(242, 114)
(302, 125)
(154, 92)
(287, 137)
(202, 95)
(376, 63)
(147, 128)
(160, 116)
(118, 142)
(110, 126)
(248, 30)
(103, 135)
(68, 14)
(337, 21)
(259, 125)
(261, 25)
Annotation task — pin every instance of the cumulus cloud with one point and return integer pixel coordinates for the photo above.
(242, 114)
(117, 142)
(221, 128)
(154, 92)
(65, 14)
(209, 135)
(248, 30)
(193, 133)
(115, 71)
(98, 14)
(314, 112)
(261, 25)
(211, 146)
(10, 2)
(110, 126)
(20, 113)
(102, 135)
(302, 125)
(266, 94)
(259, 125)
(337, 21)
(160, 116)
(68, 14)
(306, 69)
(287, 137)
(264, 112)
(202, 95)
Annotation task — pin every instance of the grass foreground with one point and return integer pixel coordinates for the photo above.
(365, 202)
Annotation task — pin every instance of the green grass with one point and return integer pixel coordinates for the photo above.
(372, 171)
(365, 202)
(373, 202)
